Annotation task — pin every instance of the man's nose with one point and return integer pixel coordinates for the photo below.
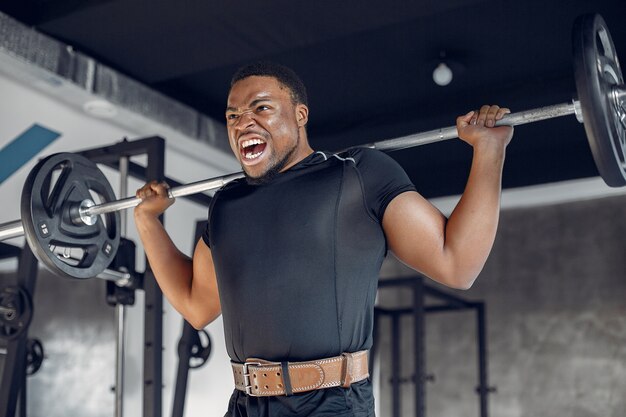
(245, 120)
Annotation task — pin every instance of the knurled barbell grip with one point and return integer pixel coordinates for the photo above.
(445, 133)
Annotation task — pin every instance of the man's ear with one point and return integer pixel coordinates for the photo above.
(302, 114)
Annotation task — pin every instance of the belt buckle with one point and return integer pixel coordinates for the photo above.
(246, 378)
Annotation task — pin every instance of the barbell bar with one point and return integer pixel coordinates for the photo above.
(513, 119)
(87, 211)
(68, 217)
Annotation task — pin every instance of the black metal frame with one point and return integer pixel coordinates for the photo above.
(154, 148)
(418, 310)
(13, 351)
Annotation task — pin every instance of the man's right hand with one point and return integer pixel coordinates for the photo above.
(155, 200)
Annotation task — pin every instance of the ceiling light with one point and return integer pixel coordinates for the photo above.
(442, 75)
(100, 108)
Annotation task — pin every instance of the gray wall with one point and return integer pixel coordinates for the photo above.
(555, 292)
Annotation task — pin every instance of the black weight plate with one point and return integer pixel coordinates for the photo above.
(597, 72)
(34, 356)
(16, 322)
(56, 185)
(200, 349)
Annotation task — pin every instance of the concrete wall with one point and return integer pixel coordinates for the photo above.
(555, 292)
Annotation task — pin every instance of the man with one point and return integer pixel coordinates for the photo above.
(296, 248)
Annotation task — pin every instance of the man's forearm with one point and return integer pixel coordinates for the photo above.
(173, 269)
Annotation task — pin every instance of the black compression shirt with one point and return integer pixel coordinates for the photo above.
(297, 260)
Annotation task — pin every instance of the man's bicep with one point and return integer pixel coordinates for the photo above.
(415, 232)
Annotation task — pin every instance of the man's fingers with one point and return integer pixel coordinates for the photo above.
(474, 119)
(477, 126)
(482, 115)
(465, 119)
(160, 189)
(488, 115)
(501, 112)
(490, 119)
(153, 188)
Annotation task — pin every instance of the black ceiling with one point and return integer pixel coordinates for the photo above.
(367, 66)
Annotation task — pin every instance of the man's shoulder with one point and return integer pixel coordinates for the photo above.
(230, 189)
(360, 155)
(369, 158)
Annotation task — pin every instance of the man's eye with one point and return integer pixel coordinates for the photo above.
(262, 107)
(231, 116)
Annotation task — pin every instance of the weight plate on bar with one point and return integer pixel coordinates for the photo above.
(53, 190)
(598, 76)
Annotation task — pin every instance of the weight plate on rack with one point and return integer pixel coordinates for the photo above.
(34, 356)
(598, 82)
(52, 193)
(16, 312)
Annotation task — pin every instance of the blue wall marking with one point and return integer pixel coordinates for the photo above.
(23, 148)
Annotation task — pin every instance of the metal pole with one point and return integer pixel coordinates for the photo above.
(438, 135)
(120, 309)
(395, 366)
(11, 230)
(153, 310)
(419, 348)
(183, 190)
(483, 381)
(120, 278)
(123, 169)
(445, 133)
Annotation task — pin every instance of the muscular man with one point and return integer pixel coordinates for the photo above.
(295, 248)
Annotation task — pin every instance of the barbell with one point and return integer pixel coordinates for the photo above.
(70, 217)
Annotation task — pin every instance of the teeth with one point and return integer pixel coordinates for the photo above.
(251, 142)
(248, 143)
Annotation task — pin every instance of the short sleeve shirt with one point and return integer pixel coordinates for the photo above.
(298, 259)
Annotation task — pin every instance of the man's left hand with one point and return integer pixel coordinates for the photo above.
(478, 127)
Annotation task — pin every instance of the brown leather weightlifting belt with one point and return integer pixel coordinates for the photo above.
(260, 378)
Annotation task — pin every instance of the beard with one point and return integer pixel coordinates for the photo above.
(274, 169)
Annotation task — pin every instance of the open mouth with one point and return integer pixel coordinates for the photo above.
(252, 148)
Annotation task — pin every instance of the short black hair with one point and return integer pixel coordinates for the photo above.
(284, 75)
